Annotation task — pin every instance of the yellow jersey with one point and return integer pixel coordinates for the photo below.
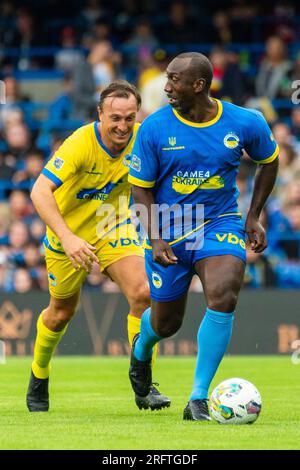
(88, 176)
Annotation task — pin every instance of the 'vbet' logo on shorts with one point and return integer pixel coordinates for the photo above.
(123, 242)
(231, 238)
(156, 280)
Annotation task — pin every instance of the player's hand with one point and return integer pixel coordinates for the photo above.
(256, 234)
(79, 252)
(162, 253)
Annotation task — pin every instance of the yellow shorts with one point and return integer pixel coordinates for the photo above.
(65, 281)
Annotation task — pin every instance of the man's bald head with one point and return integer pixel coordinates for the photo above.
(198, 66)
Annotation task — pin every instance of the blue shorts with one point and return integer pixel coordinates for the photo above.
(220, 236)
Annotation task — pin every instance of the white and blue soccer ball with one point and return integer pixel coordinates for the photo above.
(235, 401)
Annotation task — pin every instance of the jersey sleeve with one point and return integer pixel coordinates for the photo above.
(67, 160)
(144, 160)
(260, 143)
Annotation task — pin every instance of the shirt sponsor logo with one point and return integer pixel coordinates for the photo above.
(187, 185)
(231, 140)
(123, 242)
(97, 194)
(231, 238)
(58, 163)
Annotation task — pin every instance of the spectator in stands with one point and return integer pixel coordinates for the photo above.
(152, 82)
(91, 75)
(101, 31)
(62, 107)
(5, 220)
(288, 157)
(37, 230)
(18, 237)
(34, 163)
(228, 82)
(7, 15)
(295, 116)
(242, 16)
(179, 27)
(259, 272)
(42, 278)
(25, 36)
(141, 44)
(92, 11)
(32, 255)
(274, 69)
(22, 281)
(67, 58)
(219, 31)
(103, 61)
(6, 171)
(282, 134)
(19, 140)
(14, 101)
(126, 16)
(20, 206)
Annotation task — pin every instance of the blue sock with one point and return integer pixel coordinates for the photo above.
(213, 338)
(148, 338)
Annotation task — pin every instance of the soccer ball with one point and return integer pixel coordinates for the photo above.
(235, 401)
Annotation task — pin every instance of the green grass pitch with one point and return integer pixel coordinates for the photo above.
(92, 407)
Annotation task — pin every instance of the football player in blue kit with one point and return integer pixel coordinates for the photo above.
(187, 154)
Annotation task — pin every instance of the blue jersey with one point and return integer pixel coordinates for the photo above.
(190, 163)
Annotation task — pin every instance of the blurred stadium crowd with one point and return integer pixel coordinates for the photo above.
(254, 48)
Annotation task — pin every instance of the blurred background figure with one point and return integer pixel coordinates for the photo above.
(274, 69)
(228, 81)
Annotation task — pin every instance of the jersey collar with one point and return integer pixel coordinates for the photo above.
(98, 136)
(201, 124)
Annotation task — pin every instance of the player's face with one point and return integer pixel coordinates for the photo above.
(117, 118)
(180, 85)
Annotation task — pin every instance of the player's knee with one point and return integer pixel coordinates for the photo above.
(225, 302)
(167, 329)
(139, 299)
(60, 316)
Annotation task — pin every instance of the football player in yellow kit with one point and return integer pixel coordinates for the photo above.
(86, 174)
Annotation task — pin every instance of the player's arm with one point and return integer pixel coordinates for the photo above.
(265, 178)
(161, 251)
(264, 151)
(79, 251)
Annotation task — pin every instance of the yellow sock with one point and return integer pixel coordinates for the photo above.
(134, 327)
(45, 344)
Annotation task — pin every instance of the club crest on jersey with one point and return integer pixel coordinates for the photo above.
(58, 163)
(231, 140)
(127, 160)
(172, 141)
(156, 280)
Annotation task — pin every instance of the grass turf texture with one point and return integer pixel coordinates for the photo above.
(92, 407)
